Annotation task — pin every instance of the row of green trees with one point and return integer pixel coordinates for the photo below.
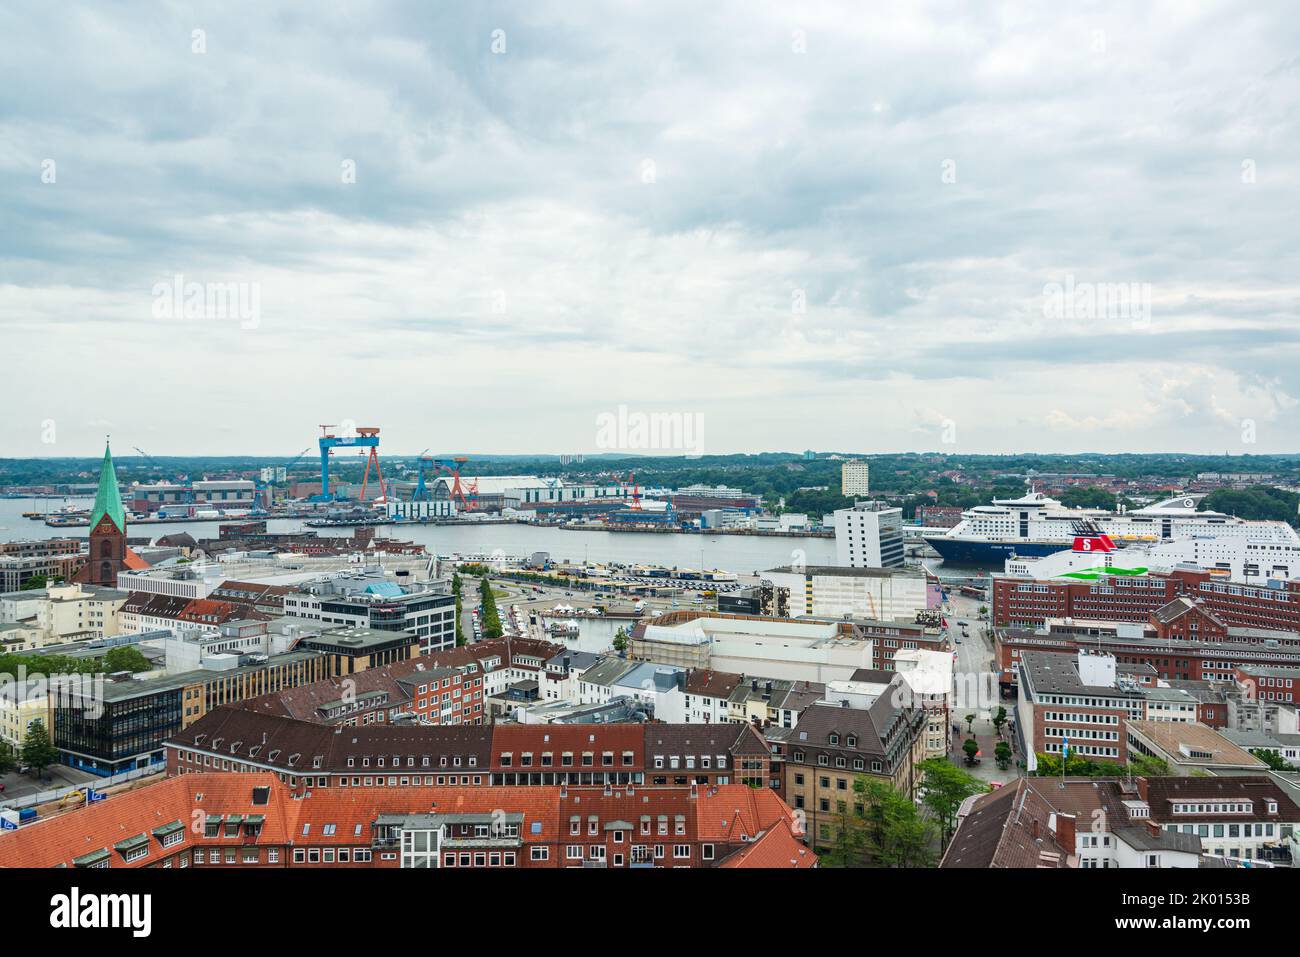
(456, 590)
(1139, 765)
(488, 602)
(124, 658)
(887, 828)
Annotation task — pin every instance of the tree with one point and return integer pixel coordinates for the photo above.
(38, 753)
(999, 719)
(620, 641)
(1049, 765)
(970, 723)
(946, 786)
(491, 620)
(895, 831)
(847, 841)
(456, 590)
(126, 659)
(1002, 753)
(971, 747)
(1272, 758)
(8, 760)
(37, 582)
(1142, 765)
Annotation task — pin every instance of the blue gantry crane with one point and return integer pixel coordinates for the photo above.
(366, 438)
(421, 493)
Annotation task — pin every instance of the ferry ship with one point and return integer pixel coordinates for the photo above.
(1036, 525)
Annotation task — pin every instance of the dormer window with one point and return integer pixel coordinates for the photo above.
(833, 738)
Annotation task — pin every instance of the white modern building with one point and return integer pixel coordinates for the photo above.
(869, 535)
(831, 591)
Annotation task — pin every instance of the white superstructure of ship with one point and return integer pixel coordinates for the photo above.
(1036, 524)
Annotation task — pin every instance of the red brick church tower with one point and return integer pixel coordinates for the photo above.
(108, 552)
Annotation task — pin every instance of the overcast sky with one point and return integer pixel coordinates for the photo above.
(483, 226)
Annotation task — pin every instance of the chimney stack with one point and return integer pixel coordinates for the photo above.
(1065, 830)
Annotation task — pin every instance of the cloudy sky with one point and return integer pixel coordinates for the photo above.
(481, 227)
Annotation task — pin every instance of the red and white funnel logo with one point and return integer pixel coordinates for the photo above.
(1094, 543)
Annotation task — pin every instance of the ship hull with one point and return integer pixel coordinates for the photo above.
(969, 551)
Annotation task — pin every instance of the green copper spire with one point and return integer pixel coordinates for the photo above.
(108, 500)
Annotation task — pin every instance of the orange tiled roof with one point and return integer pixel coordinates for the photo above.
(777, 848)
(61, 838)
(731, 810)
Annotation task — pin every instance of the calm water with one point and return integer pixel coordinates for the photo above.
(743, 554)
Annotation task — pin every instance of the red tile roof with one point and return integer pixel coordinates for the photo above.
(61, 838)
(777, 848)
(736, 812)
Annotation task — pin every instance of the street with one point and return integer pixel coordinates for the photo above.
(975, 658)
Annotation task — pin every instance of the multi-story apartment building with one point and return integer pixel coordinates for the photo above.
(1083, 701)
(855, 478)
(1247, 817)
(820, 757)
(20, 562)
(1173, 661)
(79, 613)
(1027, 602)
(418, 690)
(255, 820)
(1144, 822)
(576, 755)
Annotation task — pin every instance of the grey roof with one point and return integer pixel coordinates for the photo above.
(122, 690)
(582, 660)
(1057, 672)
(1251, 739)
(608, 671)
(1144, 839)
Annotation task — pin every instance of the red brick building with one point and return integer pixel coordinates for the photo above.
(1023, 602)
(218, 820)
(320, 756)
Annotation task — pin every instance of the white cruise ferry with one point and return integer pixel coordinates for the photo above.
(1036, 524)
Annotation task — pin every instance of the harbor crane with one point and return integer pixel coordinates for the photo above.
(366, 438)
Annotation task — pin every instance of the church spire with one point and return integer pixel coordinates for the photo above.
(108, 500)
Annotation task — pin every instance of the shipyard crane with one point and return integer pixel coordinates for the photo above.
(464, 495)
(421, 493)
(366, 438)
(636, 489)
